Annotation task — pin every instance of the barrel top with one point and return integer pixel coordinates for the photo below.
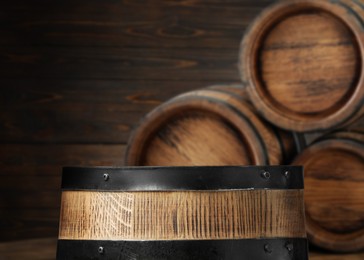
(182, 178)
(296, 54)
(334, 194)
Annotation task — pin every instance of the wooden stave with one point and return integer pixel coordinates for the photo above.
(350, 241)
(353, 108)
(84, 206)
(284, 144)
(91, 215)
(286, 201)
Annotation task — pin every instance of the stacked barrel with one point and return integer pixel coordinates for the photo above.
(300, 102)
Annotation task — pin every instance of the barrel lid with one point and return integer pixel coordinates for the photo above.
(334, 194)
(302, 63)
(182, 178)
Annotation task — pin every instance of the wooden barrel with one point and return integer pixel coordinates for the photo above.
(212, 126)
(334, 191)
(302, 62)
(357, 126)
(182, 213)
(354, 128)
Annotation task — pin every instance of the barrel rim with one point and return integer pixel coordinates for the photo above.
(336, 241)
(157, 118)
(182, 178)
(249, 47)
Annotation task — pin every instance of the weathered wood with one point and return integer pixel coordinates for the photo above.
(296, 54)
(47, 159)
(48, 110)
(34, 249)
(162, 24)
(47, 53)
(334, 194)
(31, 184)
(118, 63)
(86, 111)
(24, 223)
(214, 126)
(181, 215)
(171, 207)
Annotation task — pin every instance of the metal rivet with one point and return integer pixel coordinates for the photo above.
(266, 175)
(286, 174)
(101, 250)
(106, 176)
(289, 247)
(268, 248)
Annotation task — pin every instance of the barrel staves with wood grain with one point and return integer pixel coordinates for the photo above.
(229, 212)
(302, 62)
(211, 126)
(334, 191)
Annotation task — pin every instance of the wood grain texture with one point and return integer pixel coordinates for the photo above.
(77, 76)
(324, 52)
(296, 54)
(136, 24)
(118, 64)
(31, 181)
(212, 126)
(181, 215)
(32, 249)
(334, 191)
(50, 107)
(79, 111)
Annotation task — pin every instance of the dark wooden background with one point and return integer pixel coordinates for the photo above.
(77, 76)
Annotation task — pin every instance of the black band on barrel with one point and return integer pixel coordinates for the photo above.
(182, 178)
(257, 249)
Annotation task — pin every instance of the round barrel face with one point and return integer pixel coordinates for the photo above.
(205, 127)
(213, 126)
(197, 138)
(334, 193)
(304, 58)
(302, 63)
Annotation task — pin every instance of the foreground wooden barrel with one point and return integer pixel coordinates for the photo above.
(302, 62)
(212, 126)
(182, 213)
(334, 191)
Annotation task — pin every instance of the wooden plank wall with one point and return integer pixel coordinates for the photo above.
(76, 77)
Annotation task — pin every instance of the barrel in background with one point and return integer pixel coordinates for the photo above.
(182, 213)
(302, 62)
(334, 193)
(212, 126)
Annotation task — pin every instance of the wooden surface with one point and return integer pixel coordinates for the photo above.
(297, 54)
(334, 194)
(45, 249)
(212, 126)
(77, 76)
(182, 215)
(31, 180)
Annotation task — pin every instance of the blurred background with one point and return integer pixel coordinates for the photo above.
(77, 76)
